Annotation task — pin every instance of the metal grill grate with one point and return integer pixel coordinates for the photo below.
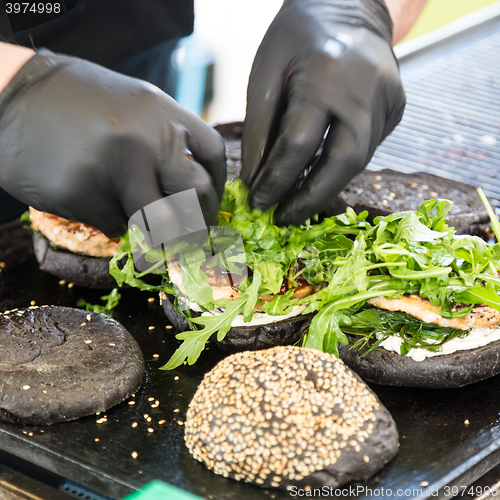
(451, 125)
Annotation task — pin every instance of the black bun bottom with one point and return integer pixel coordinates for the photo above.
(59, 363)
(247, 338)
(82, 270)
(438, 372)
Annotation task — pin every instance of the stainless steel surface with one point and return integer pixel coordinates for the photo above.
(451, 125)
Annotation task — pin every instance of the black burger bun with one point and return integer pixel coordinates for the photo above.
(438, 372)
(386, 191)
(82, 270)
(246, 338)
(59, 364)
(289, 416)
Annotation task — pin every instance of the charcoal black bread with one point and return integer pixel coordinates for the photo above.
(59, 363)
(82, 270)
(289, 416)
(438, 372)
(386, 191)
(243, 338)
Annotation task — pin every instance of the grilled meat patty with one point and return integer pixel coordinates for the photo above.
(73, 236)
(422, 309)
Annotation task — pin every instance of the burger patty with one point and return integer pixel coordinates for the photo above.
(73, 236)
(223, 289)
(422, 309)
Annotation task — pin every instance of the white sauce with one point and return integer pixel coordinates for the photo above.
(260, 317)
(477, 337)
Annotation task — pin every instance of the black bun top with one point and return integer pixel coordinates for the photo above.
(58, 363)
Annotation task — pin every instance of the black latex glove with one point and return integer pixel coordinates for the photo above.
(94, 146)
(322, 63)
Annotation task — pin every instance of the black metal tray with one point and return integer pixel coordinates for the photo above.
(438, 448)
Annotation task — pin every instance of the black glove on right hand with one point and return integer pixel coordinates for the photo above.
(322, 63)
(90, 145)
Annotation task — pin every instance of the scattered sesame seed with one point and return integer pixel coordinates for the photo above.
(97, 440)
(420, 195)
(71, 285)
(366, 458)
(151, 299)
(83, 324)
(466, 422)
(2, 265)
(425, 187)
(135, 454)
(392, 195)
(161, 422)
(150, 430)
(169, 327)
(134, 425)
(151, 399)
(88, 342)
(180, 422)
(156, 355)
(151, 327)
(33, 303)
(378, 178)
(89, 317)
(424, 484)
(113, 345)
(377, 186)
(149, 419)
(176, 378)
(176, 410)
(30, 434)
(26, 387)
(146, 415)
(384, 202)
(62, 282)
(155, 405)
(433, 194)
(414, 185)
(131, 403)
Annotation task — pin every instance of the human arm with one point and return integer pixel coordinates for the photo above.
(404, 14)
(325, 69)
(91, 145)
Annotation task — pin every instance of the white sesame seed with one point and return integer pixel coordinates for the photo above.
(378, 178)
(135, 454)
(62, 282)
(161, 422)
(89, 317)
(424, 484)
(377, 186)
(26, 387)
(33, 302)
(134, 425)
(131, 403)
(88, 342)
(168, 327)
(150, 430)
(151, 327)
(151, 299)
(156, 355)
(71, 285)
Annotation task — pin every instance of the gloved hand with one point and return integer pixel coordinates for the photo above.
(322, 63)
(90, 145)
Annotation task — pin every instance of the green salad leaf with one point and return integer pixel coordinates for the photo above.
(347, 260)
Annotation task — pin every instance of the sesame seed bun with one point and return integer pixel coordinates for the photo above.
(289, 416)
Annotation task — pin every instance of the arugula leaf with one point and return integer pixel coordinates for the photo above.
(112, 300)
(194, 341)
(495, 223)
(487, 295)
